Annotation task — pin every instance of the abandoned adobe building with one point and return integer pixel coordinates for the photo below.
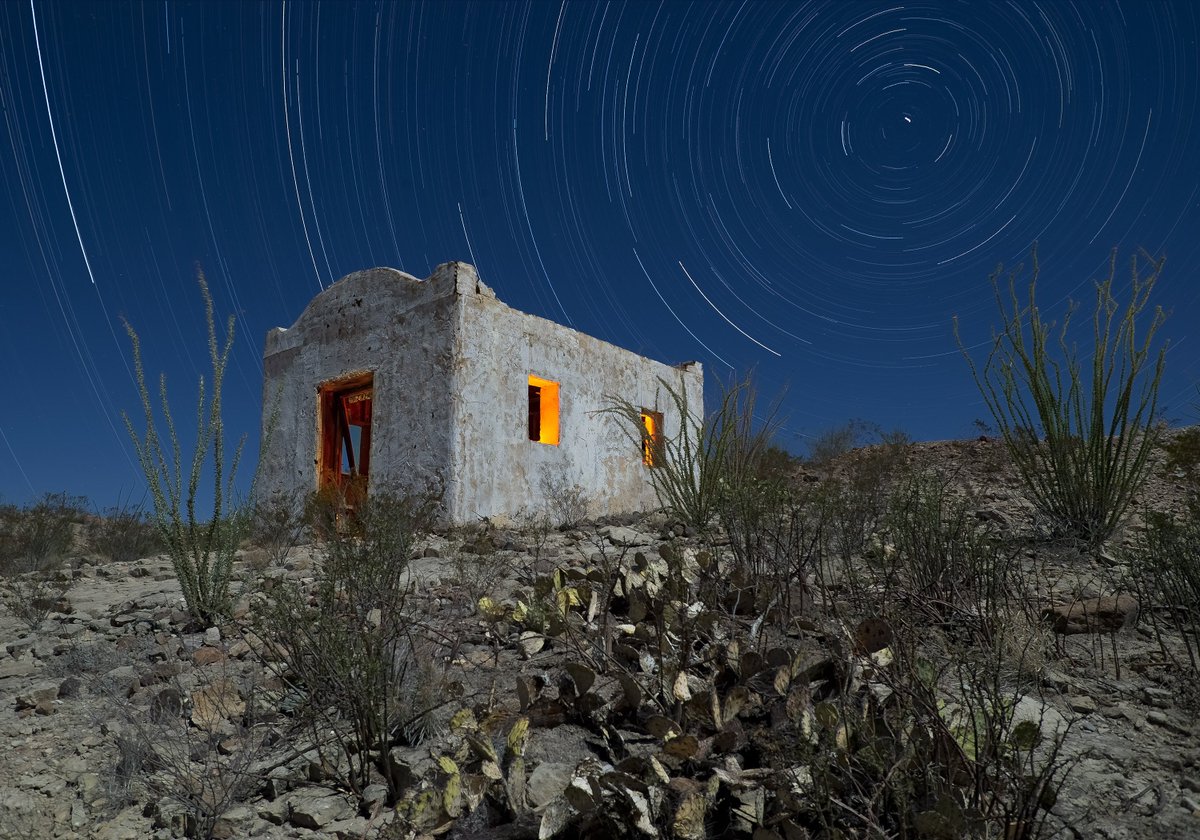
(388, 381)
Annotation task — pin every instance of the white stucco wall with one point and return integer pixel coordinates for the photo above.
(498, 470)
(383, 321)
(451, 364)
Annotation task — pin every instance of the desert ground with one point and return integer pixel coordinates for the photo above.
(632, 677)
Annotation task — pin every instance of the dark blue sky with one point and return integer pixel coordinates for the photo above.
(813, 189)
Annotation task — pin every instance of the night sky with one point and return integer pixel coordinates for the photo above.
(812, 189)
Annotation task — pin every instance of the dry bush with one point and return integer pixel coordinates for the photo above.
(1165, 570)
(33, 595)
(567, 505)
(830, 447)
(323, 513)
(124, 532)
(476, 569)
(195, 751)
(35, 543)
(707, 457)
(1182, 449)
(827, 446)
(950, 565)
(774, 540)
(40, 535)
(361, 661)
(278, 525)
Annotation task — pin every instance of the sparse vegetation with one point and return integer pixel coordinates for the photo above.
(1183, 454)
(124, 532)
(40, 534)
(859, 655)
(1165, 568)
(832, 445)
(34, 543)
(945, 564)
(872, 739)
(278, 525)
(354, 651)
(711, 456)
(1079, 436)
(566, 504)
(854, 648)
(201, 549)
(198, 749)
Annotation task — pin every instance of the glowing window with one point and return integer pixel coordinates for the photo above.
(543, 410)
(651, 437)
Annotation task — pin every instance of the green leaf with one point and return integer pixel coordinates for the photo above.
(517, 736)
(826, 715)
(1026, 735)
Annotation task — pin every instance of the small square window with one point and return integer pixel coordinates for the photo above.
(543, 410)
(652, 453)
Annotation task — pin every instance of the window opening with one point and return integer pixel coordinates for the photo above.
(652, 437)
(543, 410)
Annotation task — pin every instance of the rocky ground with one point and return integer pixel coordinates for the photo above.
(116, 670)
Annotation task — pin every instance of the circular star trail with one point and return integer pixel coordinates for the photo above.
(810, 190)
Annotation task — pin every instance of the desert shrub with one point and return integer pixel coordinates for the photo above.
(10, 515)
(931, 746)
(124, 532)
(40, 535)
(849, 506)
(1079, 437)
(777, 461)
(830, 444)
(195, 751)
(945, 563)
(851, 502)
(774, 538)
(537, 527)
(278, 525)
(88, 661)
(321, 513)
(709, 457)
(33, 595)
(201, 550)
(1183, 454)
(1164, 565)
(478, 566)
(357, 650)
(566, 504)
(37, 539)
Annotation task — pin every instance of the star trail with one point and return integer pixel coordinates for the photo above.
(811, 190)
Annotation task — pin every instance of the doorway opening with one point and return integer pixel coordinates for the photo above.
(344, 466)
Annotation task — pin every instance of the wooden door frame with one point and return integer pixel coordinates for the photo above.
(329, 450)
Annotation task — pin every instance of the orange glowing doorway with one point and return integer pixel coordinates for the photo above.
(345, 440)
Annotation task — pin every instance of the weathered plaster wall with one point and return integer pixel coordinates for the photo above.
(389, 323)
(451, 364)
(498, 470)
